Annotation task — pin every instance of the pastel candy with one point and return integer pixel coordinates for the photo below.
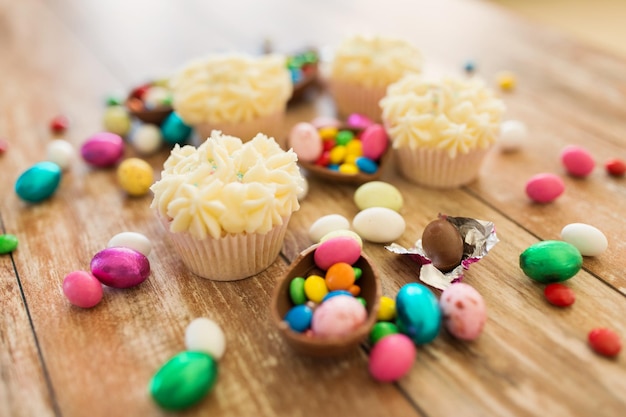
(378, 194)
(132, 240)
(464, 312)
(513, 134)
(589, 240)
(375, 141)
(205, 335)
(102, 149)
(82, 289)
(327, 224)
(306, 142)
(347, 233)
(392, 358)
(379, 224)
(147, 139)
(544, 188)
(338, 249)
(61, 152)
(358, 121)
(120, 267)
(338, 316)
(577, 161)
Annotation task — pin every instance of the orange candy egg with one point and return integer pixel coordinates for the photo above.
(340, 276)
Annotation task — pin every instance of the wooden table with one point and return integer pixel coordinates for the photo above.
(64, 56)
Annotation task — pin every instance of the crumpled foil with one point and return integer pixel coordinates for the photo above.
(479, 236)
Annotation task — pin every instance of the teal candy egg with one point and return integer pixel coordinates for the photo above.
(184, 380)
(551, 261)
(38, 182)
(417, 313)
(174, 130)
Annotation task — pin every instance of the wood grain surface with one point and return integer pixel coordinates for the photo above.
(65, 56)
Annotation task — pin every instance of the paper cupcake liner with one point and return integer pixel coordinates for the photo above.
(229, 258)
(354, 98)
(434, 168)
(270, 125)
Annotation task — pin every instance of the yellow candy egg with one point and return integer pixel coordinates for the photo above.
(337, 154)
(354, 147)
(116, 120)
(328, 132)
(350, 159)
(315, 288)
(135, 176)
(387, 309)
(349, 169)
(506, 80)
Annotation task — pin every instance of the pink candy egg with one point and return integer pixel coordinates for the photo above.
(103, 149)
(464, 311)
(544, 188)
(306, 142)
(82, 289)
(577, 161)
(374, 140)
(358, 121)
(338, 249)
(338, 316)
(392, 357)
(120, 267)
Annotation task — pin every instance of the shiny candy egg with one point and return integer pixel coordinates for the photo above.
(147, 139)
(327, 224)
(116, 120)
(132, 240)
(378, 194)
(337, 249)
(551, 261)
(392, 358)
(418, 313)
(589, 240)
(120, 267)
(38, 182)
(174, 130)
(135, 176)
(205, 335)
(464, 311)
(61, 152)
(379, 224)
(103, 149)
(443, 244)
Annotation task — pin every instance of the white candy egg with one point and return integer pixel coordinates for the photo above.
(589, 240)
(147, 139)
(132, 240)
(379, 224)
(327, 224)
(513, 134)
(205, 335)
(61, 152)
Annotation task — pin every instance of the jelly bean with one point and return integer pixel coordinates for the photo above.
(577, 160)
(559, 295)
(315, 288)
(463, 310)
(299, 318)
(328, 144)
(327, 224)
(120, 267)
(605, 342)
(343, 137)
(506, 80)
(337, 154)
(355, 290)
(296, 291)
(387, 309)
(61, 152)
(614, 166)
(358, 121)
(82, 289)
(59, 124)
(375, 141)
(338, 316)
(418, 313)
(184, 380)
(379, 224)
(174, 130)
(116, 120)
(336, 293)
(38, 182)
(378, 194)
(513, 134)
(358, 273)
(351, 160)
(544, 188)
(324, 121)
(333, 167)
(366, 165)
(132, 240)
(147, 139)
(8, 243)
(589, 240)
(324, 159)
(338, 249)
(328, 132)
(382, 329)
(362, 300)
(392, 358)
(339, 276)
(135, 176)
(354, 147)
(103, 149)
(205, 335)
(348, 169)
(551, 261)
(346, 233)
(305, 142)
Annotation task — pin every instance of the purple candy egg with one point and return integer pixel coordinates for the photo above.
(103, 149)
(120, 267)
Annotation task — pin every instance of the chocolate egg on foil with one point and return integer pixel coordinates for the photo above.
(442, 244)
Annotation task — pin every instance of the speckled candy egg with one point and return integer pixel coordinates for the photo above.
(417, 313)
(135, 176)
(464, 312)
(38, 182)
(306, 142)
(338, 316)
(103, 149)
(120, 267)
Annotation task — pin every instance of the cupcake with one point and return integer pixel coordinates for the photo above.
(441, 131)
(363, 67)
(226, 204)
(237, 94)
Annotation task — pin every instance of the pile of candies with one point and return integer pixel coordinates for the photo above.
(354, 148)
(188, 376)
(326, 306)
(303, 68)
(149, 96)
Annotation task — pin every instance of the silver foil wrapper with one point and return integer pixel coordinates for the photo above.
(479, 236)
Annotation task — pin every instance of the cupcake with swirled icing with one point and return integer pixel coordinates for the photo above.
(363, 67)
(237, 94)
(226, 204)
(441, 131)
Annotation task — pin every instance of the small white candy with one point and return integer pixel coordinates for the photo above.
(327, 224)
(513, 134)
(147, 139)
(205, 335)
(342, 232)
(61, 152)
(379, 224)
(589, 240)
(305, 189)
(132, 240)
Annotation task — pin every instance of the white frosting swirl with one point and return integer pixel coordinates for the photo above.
(375, 61)
(231, 88)
(453, 114)
(225, 186)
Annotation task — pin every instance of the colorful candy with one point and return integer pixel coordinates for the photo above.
(605, 342)
(379, 224)
(103, 149)
(8, 243)
(589, 240)
(392, 358)
(82, 289)
(378, 194)
(338, 316)
(374, 141)
(513, 134)
(132, 240)
(116, 120)
(443, 244)
(343, 233)
(544, 188)
(551, 261)
(327, 224)
(205, 335)
(135, 176)
(61, 152)
(340, 276)
(559, 295)
(506, 80)
(463, 310)
(120, 267)
(299, 318)
(174, 130)
(38, 182)
(296, 291)
(382, 329)
(306, 142)
(315, 288)
(338, 249)
(4, 146)
(59, 124)
(577, 161)
(147, 139)
(614, 166)
(418, 313)
(387, 309)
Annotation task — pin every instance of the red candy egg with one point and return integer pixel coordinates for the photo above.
(615, 167)
(559, 295)
(59, 124)
(605, 341)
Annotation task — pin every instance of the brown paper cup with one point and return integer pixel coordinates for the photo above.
(270, 125)
(354, 98)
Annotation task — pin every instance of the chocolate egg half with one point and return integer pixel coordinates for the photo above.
(443, 244)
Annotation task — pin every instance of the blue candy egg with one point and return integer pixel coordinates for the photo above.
(38, 182)
(174, 130)
(417, 313)
(366, 165)
(336, 293)
(299, 318)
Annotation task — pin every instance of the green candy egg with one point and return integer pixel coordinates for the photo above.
(296, 291)
(184, 380)
(382, 329)
(38, 182)
(551, 261)
(8, 243)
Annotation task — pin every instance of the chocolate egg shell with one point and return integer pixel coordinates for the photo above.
(443, 244)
